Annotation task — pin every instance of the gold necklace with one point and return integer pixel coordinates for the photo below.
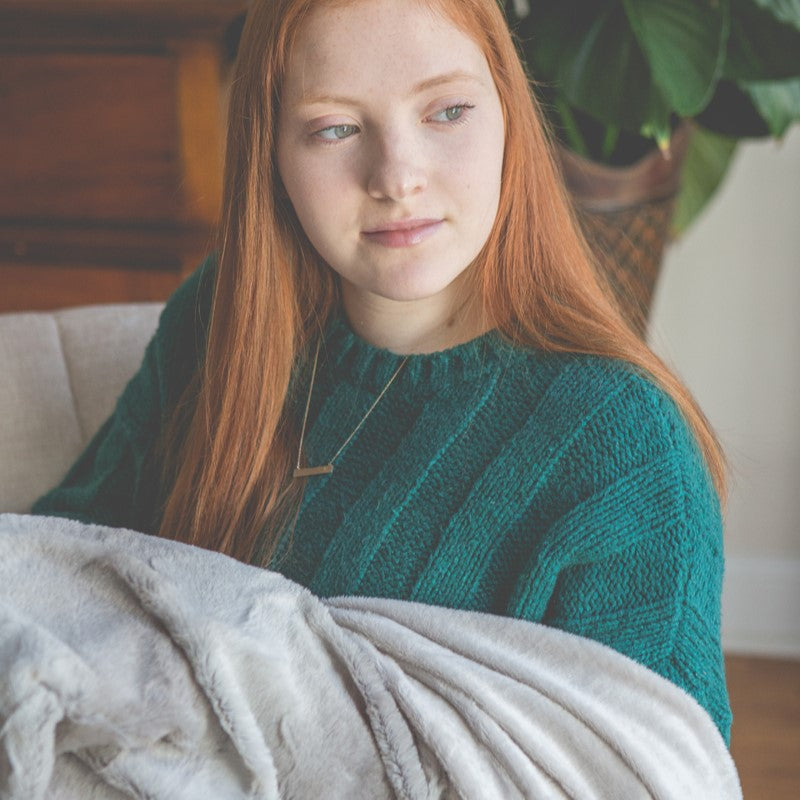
(325, 469)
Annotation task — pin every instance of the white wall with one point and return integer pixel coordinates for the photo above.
(727, 316)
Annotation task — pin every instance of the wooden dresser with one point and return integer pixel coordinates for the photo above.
(110, 145)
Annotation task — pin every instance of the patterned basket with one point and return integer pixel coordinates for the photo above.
(625, 214)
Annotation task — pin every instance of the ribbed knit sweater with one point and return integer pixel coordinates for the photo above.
(558, 488)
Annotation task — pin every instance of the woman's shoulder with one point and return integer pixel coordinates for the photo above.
(189, 306)
(183, 323)
(607, 410)
(590, 382)
(618, 448)
(175, 352)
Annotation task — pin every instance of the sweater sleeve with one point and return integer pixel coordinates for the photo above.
(635, 558)
(107, 484)
(116, 481)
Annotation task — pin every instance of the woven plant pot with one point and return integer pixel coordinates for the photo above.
(625, 213)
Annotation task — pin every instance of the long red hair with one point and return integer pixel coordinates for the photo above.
(230, 464)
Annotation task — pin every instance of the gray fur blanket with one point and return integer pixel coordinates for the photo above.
(131, 666)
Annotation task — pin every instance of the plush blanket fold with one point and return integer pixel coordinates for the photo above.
(136, 667)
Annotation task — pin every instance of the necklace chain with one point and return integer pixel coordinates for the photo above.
(325, 469)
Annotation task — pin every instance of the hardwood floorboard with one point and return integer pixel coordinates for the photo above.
(765, 738)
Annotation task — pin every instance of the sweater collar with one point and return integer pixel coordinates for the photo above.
(353, 359)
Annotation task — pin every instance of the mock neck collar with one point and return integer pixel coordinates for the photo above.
(353, 359)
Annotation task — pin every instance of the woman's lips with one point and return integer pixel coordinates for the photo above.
(403, 234)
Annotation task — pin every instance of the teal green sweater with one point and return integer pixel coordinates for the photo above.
(562, 489)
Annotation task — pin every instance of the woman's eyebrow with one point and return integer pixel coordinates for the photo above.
(447, 77)
(422, 86)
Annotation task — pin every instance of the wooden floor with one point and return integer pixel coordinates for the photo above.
(765, 739)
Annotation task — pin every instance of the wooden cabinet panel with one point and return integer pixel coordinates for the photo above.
(44, 288)
(89, 136)
(111, 142)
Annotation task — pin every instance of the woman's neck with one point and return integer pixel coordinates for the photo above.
(411, 327)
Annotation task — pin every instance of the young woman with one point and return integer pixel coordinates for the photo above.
(401, 376)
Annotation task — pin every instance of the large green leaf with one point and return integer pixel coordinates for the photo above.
(544, 34)
(731, 112)
(784, 10)
(593, 58)
(684, 41)
(777, 101)
(707, 161)
(760, 46)
(580, 59)
(603, 71)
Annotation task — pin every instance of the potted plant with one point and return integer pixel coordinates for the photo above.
(649, 95)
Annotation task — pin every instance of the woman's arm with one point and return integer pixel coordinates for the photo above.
(636, 562)
(111, 482)
(116, 481)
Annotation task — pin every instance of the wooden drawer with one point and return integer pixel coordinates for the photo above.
(89, 137)
(111, 141)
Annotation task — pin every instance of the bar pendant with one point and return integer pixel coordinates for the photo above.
(305, 472)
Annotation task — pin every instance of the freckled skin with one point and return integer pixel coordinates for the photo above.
(390, 115)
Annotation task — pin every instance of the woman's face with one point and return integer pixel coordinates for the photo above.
(390, 146)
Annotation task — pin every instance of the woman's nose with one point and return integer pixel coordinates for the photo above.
(396, 170)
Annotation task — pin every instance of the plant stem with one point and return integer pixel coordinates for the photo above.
(610, 140)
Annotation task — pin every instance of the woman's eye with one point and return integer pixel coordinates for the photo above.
(451, 113)
(335, 133)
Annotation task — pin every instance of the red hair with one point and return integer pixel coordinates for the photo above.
(535, 277)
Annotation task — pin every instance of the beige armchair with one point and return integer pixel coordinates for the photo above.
(60, 375)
